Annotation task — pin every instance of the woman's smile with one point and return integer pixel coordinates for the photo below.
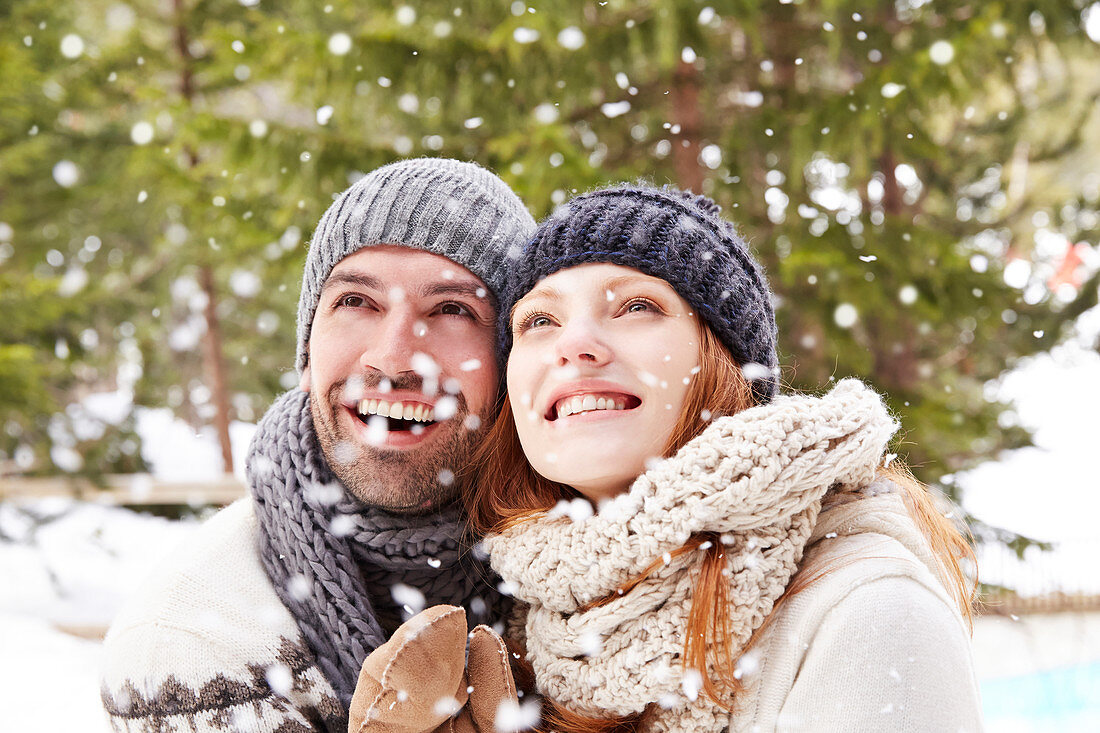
(581, 398)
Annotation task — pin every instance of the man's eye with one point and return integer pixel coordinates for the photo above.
(351, 301)
(454, 309)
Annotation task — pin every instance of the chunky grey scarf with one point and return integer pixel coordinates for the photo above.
(757, 479)
(333, 560)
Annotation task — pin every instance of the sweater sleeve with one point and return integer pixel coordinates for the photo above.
(205, 645)
(149, 700)
(891, 655)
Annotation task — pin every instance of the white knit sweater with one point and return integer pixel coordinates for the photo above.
(874, 645)
(206, 645)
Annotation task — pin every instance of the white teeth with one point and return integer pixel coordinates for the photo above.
(396, 410)
(588, 403)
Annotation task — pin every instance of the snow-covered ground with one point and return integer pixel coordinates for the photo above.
(59, 592)
(62, 586)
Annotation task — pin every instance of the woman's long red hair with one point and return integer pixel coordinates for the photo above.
(505, 490)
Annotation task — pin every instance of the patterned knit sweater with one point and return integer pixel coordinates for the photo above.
(207, 645)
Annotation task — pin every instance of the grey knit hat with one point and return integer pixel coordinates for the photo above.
(676, 236)
(448, 207)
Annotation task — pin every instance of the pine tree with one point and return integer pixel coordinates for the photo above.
(892, 163)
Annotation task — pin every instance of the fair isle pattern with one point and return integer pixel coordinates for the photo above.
(756, 478)
(227, 703)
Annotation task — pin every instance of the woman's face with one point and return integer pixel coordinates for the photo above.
(598, 373)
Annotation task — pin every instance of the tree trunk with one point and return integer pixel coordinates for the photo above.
(688, 115)
(212, 356)
(214, 366)
(892, 202)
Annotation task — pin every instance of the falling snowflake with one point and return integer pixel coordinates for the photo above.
(141, 133)
(941, 52)
(280, 679)
(692, 684)
(513, 716)
(525, 35)
(411, 599)
(612, 110)
(66, 173)
(72, 46)
(339, 44)
(846, 315)
(571, 38)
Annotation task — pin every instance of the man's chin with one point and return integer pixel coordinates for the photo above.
(384, 498)
(414, 479)
(402, 482)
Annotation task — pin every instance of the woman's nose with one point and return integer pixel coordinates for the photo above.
(580, 343)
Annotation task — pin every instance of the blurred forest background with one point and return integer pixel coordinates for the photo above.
(921, 179)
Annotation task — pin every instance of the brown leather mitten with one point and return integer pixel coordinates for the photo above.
(490, 676)
(415, 681)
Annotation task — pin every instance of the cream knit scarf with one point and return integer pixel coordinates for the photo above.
(757, 479)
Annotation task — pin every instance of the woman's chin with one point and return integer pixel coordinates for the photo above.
(590, 478)
(596, 468)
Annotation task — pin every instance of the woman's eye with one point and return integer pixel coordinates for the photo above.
(534, 320)
(640, 305)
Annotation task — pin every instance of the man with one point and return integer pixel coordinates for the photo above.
(263, 622)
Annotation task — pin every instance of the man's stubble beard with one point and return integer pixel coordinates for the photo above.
(407, 481)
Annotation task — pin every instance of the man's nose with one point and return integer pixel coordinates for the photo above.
(580, 343)
(390, 348)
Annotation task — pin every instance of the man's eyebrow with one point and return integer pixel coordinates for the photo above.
(346, 277)
(450, 287)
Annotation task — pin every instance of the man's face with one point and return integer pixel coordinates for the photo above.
(402, 374)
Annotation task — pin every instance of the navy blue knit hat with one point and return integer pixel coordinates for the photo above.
(667, 233)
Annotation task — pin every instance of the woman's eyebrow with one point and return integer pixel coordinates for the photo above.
(542, 291)
(621, 280)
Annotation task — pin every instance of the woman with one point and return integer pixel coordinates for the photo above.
(772, 572)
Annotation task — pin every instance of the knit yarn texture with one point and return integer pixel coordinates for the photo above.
(448, 207)
(671, 234)
(756, 478)
(333, 560)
